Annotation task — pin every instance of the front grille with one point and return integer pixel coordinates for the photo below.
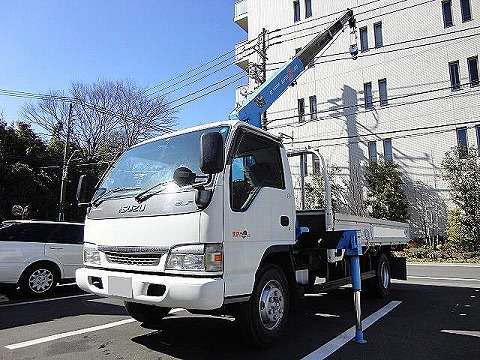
(137, 260)
(133, 255)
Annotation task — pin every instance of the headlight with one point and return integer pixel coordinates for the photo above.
(91, 256)
(201, 257)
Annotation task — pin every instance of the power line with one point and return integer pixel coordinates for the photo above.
(201, 78)
(207, 87)
(336, 109)
(189, 71)
(358, 21)
(327, 15)
(390, 132)
(364, 54)
(39, 96)
(208, 93)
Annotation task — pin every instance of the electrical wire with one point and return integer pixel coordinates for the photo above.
(390, 105)
(364, 54)
(208, 93)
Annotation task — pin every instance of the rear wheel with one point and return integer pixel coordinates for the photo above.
(265, 316)
(149, 315)
(39, 280)
(379, 286)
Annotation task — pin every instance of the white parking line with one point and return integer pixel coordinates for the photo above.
(68, 334)
(335, 344)
(44, 300)
(441, 278)
(444, 264)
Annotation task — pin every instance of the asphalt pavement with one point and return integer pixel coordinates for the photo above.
(433, 315)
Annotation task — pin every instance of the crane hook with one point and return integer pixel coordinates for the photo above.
(353, 38)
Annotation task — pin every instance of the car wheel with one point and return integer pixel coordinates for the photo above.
(149, 315)
(379, 286)
(39, 280)
(265, 316)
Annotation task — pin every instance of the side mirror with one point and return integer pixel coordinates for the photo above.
(212, 155)
(183, 176)
(85, 189)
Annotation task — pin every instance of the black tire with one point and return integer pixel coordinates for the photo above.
(39, 280)
(256, 317)
(148, 315)
(379, 286)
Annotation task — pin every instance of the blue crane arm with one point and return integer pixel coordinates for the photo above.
(262, 98)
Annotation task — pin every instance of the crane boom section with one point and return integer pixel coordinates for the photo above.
(262, 98)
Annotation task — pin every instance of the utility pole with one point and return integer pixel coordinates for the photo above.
(258, 72)
(263, 55)
(61, 211)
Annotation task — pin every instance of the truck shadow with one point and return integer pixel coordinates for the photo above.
(206, 337)
(319, 319)
(35, 311)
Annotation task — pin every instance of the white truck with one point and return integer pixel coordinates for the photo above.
(205, 219)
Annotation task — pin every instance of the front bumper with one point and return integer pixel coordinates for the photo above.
(180, 292)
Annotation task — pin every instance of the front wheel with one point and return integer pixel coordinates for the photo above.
(265, 316)
(149, 315)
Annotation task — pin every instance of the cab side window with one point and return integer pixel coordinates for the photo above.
(256, 164)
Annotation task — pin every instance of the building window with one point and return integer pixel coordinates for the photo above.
(363, 39)
(301, 110)
(473, 70)
(304, 164)
(316, 164)
(447, 13)
(377, 32)
(477, 128)
(308, 8)
(372, 151)
(466, 10)
(367, 91)
(453, 67)
(387, 150)
(296, 11)
(382, 89)
(462, 142)
(313, 107)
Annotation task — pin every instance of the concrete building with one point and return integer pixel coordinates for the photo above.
(410, 96)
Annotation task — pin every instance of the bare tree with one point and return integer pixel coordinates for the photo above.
(108, 116)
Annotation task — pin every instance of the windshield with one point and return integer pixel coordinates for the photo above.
(154, 163)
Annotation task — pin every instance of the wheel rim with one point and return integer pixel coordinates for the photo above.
(40, 281)
(271, 305)
(385, 275)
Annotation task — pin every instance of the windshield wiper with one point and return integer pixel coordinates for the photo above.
(102, 197)
(145, 194)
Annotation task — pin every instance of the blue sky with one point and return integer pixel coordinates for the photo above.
(48, 44)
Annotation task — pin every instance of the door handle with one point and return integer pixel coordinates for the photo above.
(56, 248)
(284, 220)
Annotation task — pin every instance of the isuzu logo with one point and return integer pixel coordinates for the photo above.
(132, 208)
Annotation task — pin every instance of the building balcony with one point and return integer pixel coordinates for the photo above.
(241, 14)
(241, 58)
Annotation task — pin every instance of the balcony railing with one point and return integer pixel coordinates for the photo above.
(241, 58)
(241, 14)
(240, 8)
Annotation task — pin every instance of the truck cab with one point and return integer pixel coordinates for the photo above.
(168, 250)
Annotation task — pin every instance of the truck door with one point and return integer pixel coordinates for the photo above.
(258, 208)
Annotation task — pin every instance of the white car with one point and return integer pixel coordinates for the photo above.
(37, 255)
